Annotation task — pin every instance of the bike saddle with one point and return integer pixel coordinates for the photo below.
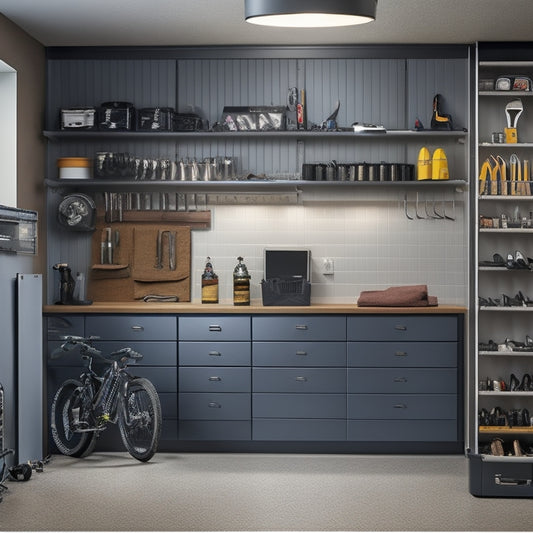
(126, 352)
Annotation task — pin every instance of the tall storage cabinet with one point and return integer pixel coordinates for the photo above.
(503, 348)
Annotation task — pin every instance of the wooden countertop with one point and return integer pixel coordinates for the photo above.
(229, 308)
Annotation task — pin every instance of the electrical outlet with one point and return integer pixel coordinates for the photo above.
(328, 266)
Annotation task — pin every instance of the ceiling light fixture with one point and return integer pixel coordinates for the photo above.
(309, 13)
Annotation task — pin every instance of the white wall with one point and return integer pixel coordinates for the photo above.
(371, 241)
(8, 135)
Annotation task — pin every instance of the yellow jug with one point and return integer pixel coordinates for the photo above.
(439, 165)
(424, 165)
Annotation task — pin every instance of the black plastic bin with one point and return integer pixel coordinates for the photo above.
(278, 291)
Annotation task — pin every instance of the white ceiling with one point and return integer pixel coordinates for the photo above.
(221, 22)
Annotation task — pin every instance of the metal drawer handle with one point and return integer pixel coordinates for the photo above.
(499, 480)
(137, 328)
(215, 378)
(400, 380)
(399, 327)
(301, 326)
(301, 378)
(400, 354)
(400, 406)
(215, 354)
(301, 352)
(214, 327)
(214, 405)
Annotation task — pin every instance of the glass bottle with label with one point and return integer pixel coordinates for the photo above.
(241, 284)
(209, 284)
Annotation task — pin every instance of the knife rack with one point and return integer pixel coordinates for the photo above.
(120, 207)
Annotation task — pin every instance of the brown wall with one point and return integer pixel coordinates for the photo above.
(27, 57)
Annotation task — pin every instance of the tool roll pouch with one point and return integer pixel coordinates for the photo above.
(160, 267)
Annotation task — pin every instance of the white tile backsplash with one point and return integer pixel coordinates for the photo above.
(373, 245)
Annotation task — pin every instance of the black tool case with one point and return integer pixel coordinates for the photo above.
(501, 477)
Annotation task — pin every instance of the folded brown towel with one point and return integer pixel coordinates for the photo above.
(404, 296)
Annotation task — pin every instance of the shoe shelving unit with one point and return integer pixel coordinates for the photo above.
(511, 474)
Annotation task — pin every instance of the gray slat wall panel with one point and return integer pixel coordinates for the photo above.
(144, 83)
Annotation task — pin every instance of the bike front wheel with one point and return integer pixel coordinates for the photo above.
(140, 419)
(69, 408)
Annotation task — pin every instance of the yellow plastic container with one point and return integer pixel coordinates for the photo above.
(73, 168)
(439, 165)
(423, 169)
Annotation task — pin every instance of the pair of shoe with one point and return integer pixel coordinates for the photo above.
(497, 447)
(432, 168)
(517, 301)
(489, 302)
(518, 261)
(525, 385)
(496, 417)
(519, 418)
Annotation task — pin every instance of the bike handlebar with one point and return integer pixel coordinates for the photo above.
(86, 349)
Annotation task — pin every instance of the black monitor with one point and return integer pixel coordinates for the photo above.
(287, 264)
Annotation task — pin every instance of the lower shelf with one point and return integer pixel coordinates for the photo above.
(506, 430)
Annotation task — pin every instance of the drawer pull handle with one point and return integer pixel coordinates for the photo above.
(301, 326)
(400, 406)
(137, 328)
(499, 480)
(215, 378)
(399, 327)
(301, 378)
(401, 354)
(301, 352)
(215, 354)
(214, 405)
(400, 380)
(214, 327)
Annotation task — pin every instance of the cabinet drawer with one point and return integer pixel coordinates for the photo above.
(310, 380)
(214, 379)
(299, 354)
(402, 406)
(219, 328)
(169, 404)
(165, 379)
(214, 353)
(299, 405)
(217, 430)
(402, 430)
(402, 327)
(216, 406)
(133, 327)
(402, 354)
(402, 380)
(294, 429)
(298, 328)
(161, 353)
(60, 326)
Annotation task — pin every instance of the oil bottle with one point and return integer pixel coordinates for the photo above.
(209, 284)
(241, 284)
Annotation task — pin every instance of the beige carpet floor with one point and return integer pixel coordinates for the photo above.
(253, 492)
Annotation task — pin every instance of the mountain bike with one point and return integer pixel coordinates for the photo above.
(82, 408)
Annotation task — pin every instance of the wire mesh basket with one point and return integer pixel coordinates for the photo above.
(278, 291)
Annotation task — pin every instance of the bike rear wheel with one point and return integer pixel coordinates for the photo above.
(69, 442)
(140, 419)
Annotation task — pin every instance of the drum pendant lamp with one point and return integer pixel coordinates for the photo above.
(309, 13)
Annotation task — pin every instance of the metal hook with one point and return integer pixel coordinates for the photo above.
(448, 217)
(416, 209)
(405, 207)
(437, 215)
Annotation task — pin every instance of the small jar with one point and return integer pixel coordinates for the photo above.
(241, 284)
(209, 284)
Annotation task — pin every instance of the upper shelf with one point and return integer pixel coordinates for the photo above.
(259, 185)
(298, 134)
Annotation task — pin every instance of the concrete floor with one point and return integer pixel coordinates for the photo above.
(252, 492)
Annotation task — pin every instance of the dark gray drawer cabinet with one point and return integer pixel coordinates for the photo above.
(403, 379)
(214, 355)
(132, 327)
(299, 378)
